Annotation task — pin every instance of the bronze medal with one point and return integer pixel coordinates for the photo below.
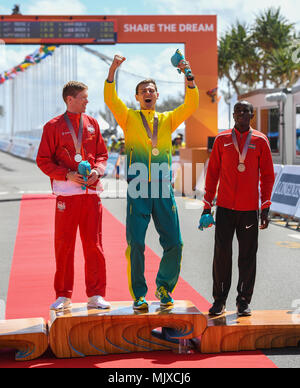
(241, 167)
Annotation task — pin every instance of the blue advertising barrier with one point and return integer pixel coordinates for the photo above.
(286, 193)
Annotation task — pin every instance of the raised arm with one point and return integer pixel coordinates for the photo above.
(185, 65)
(191, 102)
(117, 62)
(115, 104)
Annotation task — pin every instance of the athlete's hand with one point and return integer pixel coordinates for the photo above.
(183, 64)
(92, 178)
(264, 218)
(73, 176)
(206, 220)
(117, 62)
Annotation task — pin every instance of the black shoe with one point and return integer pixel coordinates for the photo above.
(243, 309)
(218, 308)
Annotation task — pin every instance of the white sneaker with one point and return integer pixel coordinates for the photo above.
(61, 303)
(98, 302)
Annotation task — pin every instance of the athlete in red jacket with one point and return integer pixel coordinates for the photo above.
(240, 160)
(66, 140)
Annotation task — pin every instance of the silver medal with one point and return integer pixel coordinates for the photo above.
(78, 158)
(77, 141)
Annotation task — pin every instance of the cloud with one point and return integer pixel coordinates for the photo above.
(92, 71)
(227, 12)
(115, 11)
(11, 57)
(4, 10)
(58, 7)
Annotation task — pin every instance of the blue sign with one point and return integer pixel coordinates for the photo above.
(287, 189)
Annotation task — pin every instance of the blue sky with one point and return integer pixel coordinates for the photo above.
(227, 11)
(155, 61)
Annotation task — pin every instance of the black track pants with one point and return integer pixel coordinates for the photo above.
(245, 224)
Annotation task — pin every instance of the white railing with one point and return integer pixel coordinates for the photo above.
(34, 96)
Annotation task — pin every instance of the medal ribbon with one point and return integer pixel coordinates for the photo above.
(77, 142)
(152, 137)
(242, 156)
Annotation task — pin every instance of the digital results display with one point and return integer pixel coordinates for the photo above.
(58, 31)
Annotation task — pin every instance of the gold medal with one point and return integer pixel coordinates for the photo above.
(152, 137)
(155, 151)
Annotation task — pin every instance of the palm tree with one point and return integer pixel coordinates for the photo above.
(237, 58)
(285, 72)
(271, 33)
(260, 55)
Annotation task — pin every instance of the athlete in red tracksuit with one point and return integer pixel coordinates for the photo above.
(238, 204)
(75, 206)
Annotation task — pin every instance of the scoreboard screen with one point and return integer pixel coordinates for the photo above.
(58, 31)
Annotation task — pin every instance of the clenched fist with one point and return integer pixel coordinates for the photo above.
(118, 60)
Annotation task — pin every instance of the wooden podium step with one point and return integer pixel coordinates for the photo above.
(81, 331)
(265, 329)
(27, 336)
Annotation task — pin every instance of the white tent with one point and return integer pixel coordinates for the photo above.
(120, 132)
(102, 123)
(179, 130)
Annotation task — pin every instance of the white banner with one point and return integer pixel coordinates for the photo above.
(5, 145)
(21, 150)
(297, 215)
(277, 171)
(286, 193)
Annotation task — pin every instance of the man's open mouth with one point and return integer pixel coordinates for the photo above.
(148, 100)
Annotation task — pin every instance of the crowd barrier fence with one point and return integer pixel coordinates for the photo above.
(286, 192)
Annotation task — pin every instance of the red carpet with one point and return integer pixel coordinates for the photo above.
(31, 291)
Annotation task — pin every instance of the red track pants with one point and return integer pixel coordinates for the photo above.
(84, 211)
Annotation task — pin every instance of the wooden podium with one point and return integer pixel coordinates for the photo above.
(81, 331)
(265, 329)
(28, 336)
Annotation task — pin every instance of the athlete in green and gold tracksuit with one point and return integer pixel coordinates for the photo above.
(148, 146)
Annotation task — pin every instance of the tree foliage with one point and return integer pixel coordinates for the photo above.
(237, 57)
(259, 55)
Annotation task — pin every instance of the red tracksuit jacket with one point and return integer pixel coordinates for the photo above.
(56, 152)
(239, 190)
(55, 158)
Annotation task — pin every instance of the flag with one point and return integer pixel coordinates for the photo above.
(36, 57)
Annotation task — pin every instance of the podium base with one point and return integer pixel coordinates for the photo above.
(81, 331)
(265, 329)
(27, 336)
